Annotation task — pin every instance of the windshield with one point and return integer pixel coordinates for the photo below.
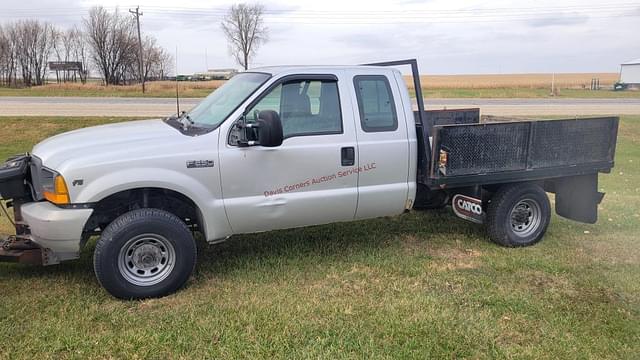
(222, 102)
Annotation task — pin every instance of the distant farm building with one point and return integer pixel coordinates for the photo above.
(214, 74)
(630, 72)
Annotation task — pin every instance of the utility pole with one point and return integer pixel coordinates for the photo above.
(137, 14)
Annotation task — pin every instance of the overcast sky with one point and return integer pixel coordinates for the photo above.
(446, 36)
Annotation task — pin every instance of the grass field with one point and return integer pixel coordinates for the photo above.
(420, 285)
(434, 86)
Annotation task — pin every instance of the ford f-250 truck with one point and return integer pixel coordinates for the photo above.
(284, 147)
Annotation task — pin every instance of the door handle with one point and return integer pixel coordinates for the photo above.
(348, 156)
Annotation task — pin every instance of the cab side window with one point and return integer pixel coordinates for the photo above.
(306, 107)
(375, 103)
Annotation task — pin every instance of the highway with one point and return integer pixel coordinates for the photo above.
(157, 107)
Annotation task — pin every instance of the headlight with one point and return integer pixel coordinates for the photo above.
(54, 187)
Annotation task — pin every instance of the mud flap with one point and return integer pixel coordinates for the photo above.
(577, 197)
(468, 208)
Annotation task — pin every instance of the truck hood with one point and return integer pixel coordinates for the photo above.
(110, 142)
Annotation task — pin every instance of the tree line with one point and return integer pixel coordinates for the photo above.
(106, 42)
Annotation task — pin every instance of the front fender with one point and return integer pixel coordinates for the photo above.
(206, 196)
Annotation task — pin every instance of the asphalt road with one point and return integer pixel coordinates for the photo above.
(153, 107)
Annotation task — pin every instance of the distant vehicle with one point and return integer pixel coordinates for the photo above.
(284, 147)
(620, 86)
(213, 74)
(216, 74)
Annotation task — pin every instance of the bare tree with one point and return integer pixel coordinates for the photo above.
(7, 58)
(34, 43)
(79, 52)
(110, 37)
(165, 65)
(4, 47)
(70, 45)
(60, 46)
(62, 51)
(108, 41)
(162, 62)
(157, 61)
(245, 31)
(8, 55)
(151, 55)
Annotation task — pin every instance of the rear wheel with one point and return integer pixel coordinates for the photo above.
(518, 215)
(144, 253)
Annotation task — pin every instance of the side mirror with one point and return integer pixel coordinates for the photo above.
(269, 129)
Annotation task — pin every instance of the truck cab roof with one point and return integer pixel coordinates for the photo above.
(277, 70)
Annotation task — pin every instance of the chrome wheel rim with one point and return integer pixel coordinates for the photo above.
(525, 217)
(146, 259)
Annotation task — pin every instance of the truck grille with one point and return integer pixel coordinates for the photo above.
(36, 182)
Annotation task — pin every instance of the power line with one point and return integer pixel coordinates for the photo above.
(443, 16)
(418, 20)
(387, 11)
(303, 21)
(430, 17)
(415, 14)
(384, 12)
(443, 21)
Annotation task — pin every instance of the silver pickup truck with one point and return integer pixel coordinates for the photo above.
(284, 147)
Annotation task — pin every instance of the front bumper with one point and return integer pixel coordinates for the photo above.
(57, 230)
(45, 234)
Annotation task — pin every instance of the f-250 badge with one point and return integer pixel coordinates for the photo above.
(194, 164)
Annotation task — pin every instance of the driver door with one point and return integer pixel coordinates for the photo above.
(304, 181)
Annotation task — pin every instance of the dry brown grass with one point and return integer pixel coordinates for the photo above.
(150, 86)
(163, 85)
(485, 81)
(434, 86)
(153, 88)
(493, 81)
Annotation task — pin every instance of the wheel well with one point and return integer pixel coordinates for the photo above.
(112, 206)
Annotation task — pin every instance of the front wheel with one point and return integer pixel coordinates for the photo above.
(144, 253)
(518, 215)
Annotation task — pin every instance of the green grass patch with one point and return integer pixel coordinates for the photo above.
(420, 285)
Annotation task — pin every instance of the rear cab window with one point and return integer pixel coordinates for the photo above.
(375, 103)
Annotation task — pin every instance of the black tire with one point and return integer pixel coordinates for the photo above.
(518, 215)
(136, 241)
